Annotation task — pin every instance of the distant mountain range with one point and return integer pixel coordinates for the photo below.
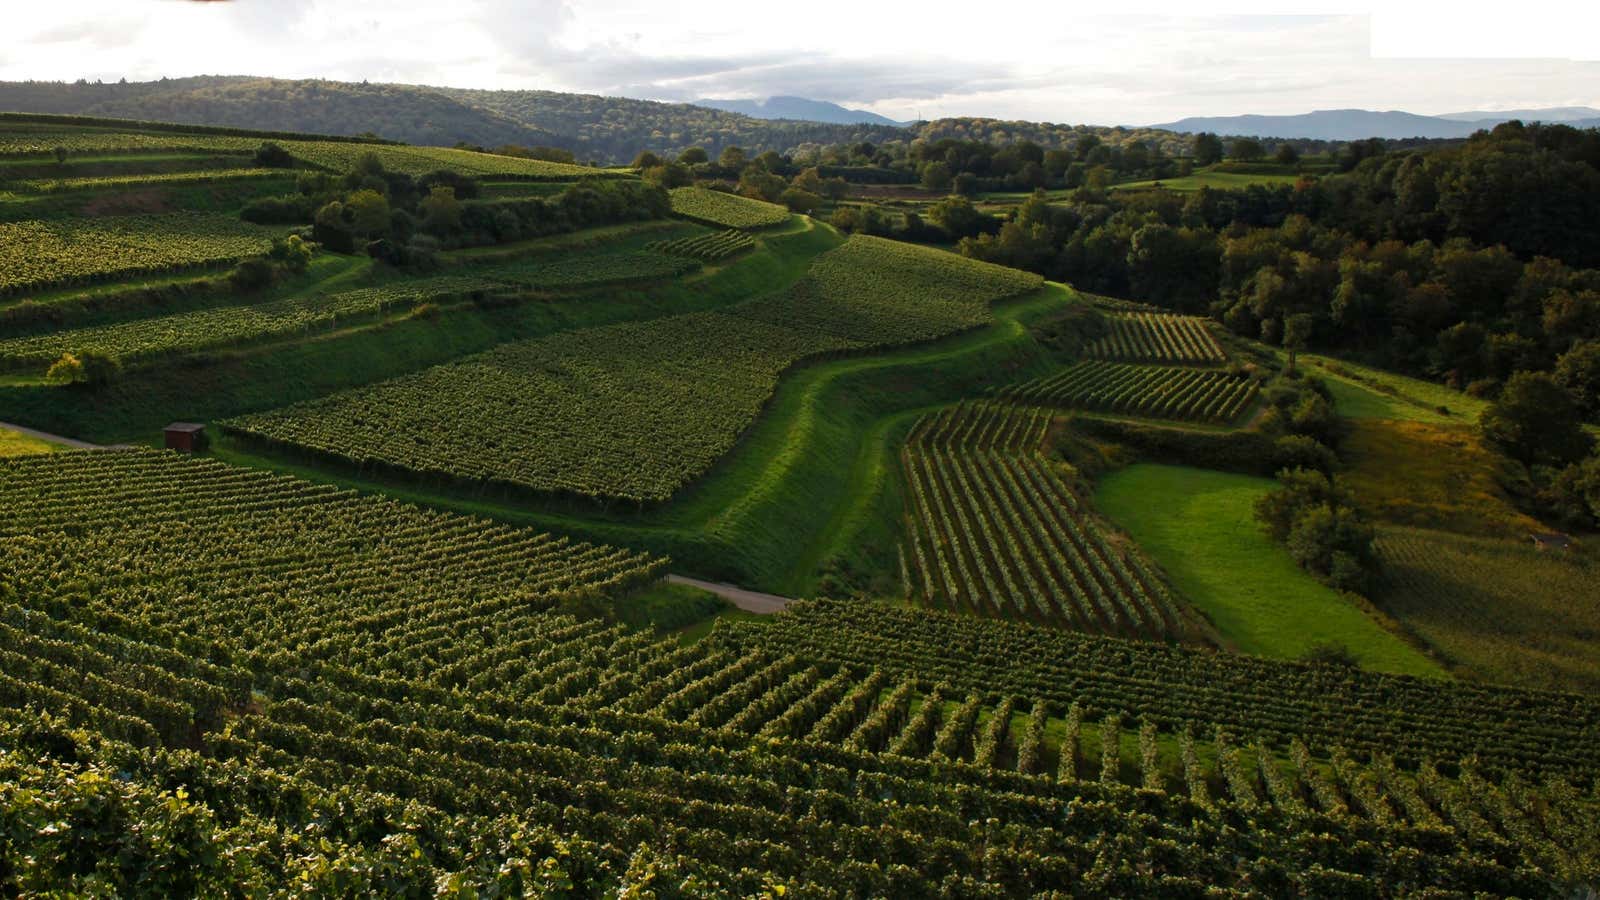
(799, 108)
(1355, 124)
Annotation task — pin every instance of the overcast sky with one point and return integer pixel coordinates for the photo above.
(1013, 59)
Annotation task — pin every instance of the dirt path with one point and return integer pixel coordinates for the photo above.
(749, 601)
(71, 443)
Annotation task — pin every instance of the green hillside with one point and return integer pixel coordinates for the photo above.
(553, 532)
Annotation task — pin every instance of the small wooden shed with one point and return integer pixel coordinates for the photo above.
(186, 437)
(1551, 540)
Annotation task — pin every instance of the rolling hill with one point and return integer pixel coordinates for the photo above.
(798, 108)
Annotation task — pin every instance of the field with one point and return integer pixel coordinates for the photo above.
(36, 255)
(1185, 394)
(1221, 181)
(1147, 337)
(993, 529)
(1430, 476)
(1198, 525)
(1498, 608)
(1363, 392)
(632, 412)
(573, 734)
(404, 627)
(725, 210)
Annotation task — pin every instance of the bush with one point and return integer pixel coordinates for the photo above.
(254, 274)
(92, 368)
(1299, 451)
(1330, 653)
(272, 156)
(293, 209)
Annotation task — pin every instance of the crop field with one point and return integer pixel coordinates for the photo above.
(205, 176)
(15, 443)
(342, 157)
(724, 210)
(871, 736)
(35, 255)
(230, 325)
(1152, 338)
(1164, 392)
(631, 412)
(1221, 181)
(707, 247)
(1499, 608)
(21, 140)
(880, 292)
(578, 269)
(995, 530)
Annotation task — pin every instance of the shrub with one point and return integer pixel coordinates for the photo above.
(91, 368)
(1330, 653)
(1299, 451)
(254, 274)
(272, 156)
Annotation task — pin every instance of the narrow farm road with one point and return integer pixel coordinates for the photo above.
(749, 601)
(71, 443)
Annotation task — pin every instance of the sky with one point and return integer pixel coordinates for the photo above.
(1025, 59)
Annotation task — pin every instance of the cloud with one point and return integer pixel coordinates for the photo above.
(1036, 61)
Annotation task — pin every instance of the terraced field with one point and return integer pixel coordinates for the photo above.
(994, 529)
(724, 210)
(636, 411)
(1158, 338)
(36, 255)
(1163, 392)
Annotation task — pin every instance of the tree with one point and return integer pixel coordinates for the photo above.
(960, 219)
(693, 156)
(368, 212)
(759, 184)
(1536, 421)
(440, 210)
(272, 156)
(1246, 149)
(803, 202)
(1296, 333)
(1287, 155)
(772, 161)
(1578, 370)
(92, 368)
(1207, 149)
(936, 177)
(669, 176)
(732, 158)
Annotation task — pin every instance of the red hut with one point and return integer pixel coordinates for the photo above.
(186, 437)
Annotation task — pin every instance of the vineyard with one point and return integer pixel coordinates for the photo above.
(706, 247)
(580, 269)
(723, 210)
(23, 141)
(232, 325)
(206, 176)
(1165, 392)
(1152, 338)
(879, 292)
(1501, 610)
(35, 255)
(631, 411)
(634, 411)
(353, 695)
(342, 157)
(994, 529)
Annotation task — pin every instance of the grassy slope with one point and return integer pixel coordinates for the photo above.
(134, 409)
(1363, 392)
(13, 443)
(810, 483)
(1199, 526)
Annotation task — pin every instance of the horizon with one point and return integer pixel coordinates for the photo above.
(1132, 70)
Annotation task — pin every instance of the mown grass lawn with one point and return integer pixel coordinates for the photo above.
(1198, 525)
